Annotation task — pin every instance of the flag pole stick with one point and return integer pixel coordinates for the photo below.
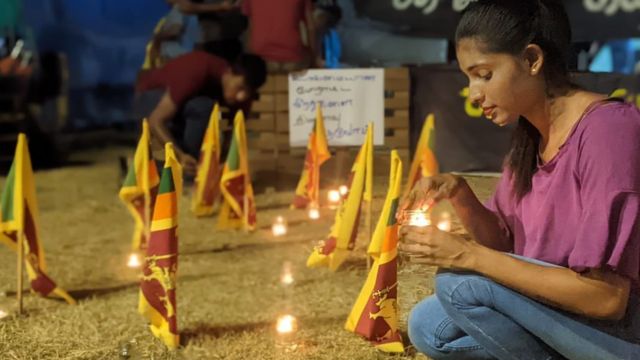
(20, 269)
(368, 225)
(245, 204)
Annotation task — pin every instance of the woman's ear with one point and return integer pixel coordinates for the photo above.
(534, 57)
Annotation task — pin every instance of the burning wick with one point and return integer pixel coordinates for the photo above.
(314, 213)
(418, 218)
(444, 223)
(287, 275)
(133, 262)
(3, 314)
(343, 190)
(334, 196)
(279, 226)
(286, 324)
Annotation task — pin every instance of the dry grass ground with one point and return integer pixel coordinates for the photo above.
(228, 282)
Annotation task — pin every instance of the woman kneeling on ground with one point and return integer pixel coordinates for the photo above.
(553, 270)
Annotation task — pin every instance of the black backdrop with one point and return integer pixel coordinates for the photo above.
(590, 19)
(465, 140)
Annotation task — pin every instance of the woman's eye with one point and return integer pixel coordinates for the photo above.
(485, 75)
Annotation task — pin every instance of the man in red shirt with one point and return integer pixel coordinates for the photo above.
(178, 98)
(275, 33)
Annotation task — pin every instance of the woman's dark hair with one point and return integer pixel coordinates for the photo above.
(508, 26)
(254, 70)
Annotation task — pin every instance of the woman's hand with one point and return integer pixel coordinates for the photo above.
(431, 246)
(428, 191)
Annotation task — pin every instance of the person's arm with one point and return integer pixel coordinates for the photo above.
(191, 8)
(159, 119)
(597, 293)
(479, 221)
(311, 35)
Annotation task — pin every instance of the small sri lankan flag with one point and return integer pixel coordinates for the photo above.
(235, 183)
(424, 162)
(375, 313)
(19, 219)
(342, 238)
(139, 189)
(158, 282)
(207, 182)
(308, 189)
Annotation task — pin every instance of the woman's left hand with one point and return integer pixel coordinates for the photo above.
(432, 246)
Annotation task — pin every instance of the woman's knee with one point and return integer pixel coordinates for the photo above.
(462, 290)
(430, 329)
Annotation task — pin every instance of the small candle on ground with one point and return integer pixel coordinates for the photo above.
(134, 261)
(333, 196)
(279, 226)
(314, 213)
(286, 324)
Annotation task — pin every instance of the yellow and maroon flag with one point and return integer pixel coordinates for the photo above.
(308, 189)
(19, 222)
(375, 313)
(424, 162)
(139, 189)
(238, 208)
(342, 238)
(158, 283)
(207, 182)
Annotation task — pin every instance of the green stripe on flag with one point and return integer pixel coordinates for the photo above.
(233, 158)
(130, 180)
(392, 213)
(166, 182)
(6, 200)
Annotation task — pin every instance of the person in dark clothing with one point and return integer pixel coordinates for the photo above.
(178, 98)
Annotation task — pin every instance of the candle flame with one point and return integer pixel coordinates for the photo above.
(343, 190)
(134, 261)
(287, 278)
(419, 218)
(334, 196)
(314, 213)
(3, 314)
(286, 324)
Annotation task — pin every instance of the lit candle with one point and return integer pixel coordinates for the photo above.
(333, 196)
(343, 190)
(134, 261)
(444, 223)
(286, 324)
(314, 213)
(418, 218)
(287, 276)
(279, 226)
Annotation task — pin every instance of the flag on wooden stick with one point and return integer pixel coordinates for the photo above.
(19, 222)
(238, 208)
(157, 300)
(375, 313)
(334, 251)
(424, 162)
(207, 182)
(308, 189)
(139, 189)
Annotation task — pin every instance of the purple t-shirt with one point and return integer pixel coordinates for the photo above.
(583, 210)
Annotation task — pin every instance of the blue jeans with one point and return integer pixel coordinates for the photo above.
(473, 317)
(189, 125)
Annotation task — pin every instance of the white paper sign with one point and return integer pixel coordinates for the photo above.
(350, 99)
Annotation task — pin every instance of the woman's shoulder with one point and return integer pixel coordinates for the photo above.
(610, 119)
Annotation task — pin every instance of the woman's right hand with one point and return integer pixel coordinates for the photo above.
(428, 191)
